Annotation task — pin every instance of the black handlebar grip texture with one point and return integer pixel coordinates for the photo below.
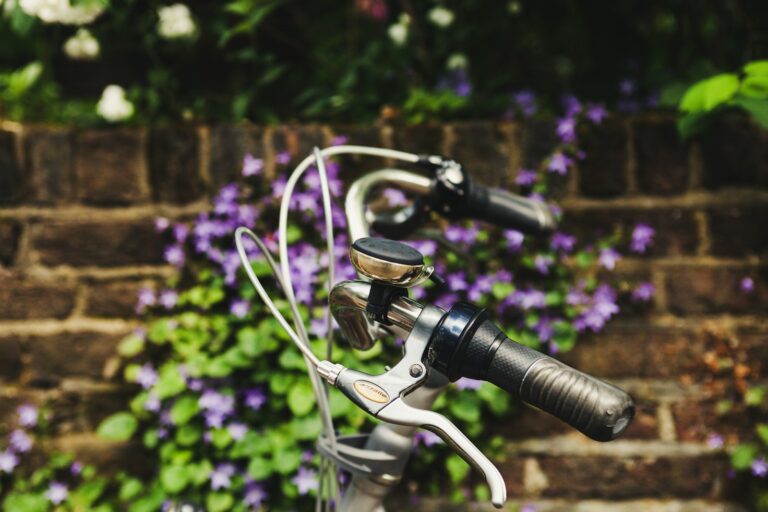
(509, 210)
(599, 410)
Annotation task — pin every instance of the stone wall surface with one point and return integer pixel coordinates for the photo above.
(77, 241)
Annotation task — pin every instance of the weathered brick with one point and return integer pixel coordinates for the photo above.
(299, 140)
(484, 150)
(111, 458)
(10, 231)
(603, 173)
(49, 171)
(81, 408)
(661, 157)
(105, 244)
(734, 152)
(228, 146)
(635, 477)
(174, 165)
(10, 359)
(697, 289)
(10, 169)
(419, 139)
(697, 420)
(112, 299)
(676, 228)
(30, 298)
(111, 166)
(738, 230)
(70, 354)
(637, 349)
(538, 139)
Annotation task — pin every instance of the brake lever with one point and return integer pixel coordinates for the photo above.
(383, 396)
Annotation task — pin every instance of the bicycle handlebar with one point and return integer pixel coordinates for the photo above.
(466, 344)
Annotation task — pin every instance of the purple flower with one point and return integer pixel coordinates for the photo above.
(747, 285)
(559, 164)
(180, 233)
(526, 102)
(446, 301)
(240, 308)
(252, 166)
(458, 234)
(572, 105)
(147, 298)
(458, 82)
(644, 292)
(27, 415)
(8, 461)
(174, 255)
(576, 297)
(395, 197)
(627, 87)
(221, 476)
(642, 237)
(255, 399)
(168, 299)
(528, 507)
(526, 178)
(608, 258)
(456, 281)
(514, 239)
(426, 438)
(161, 224)
(57, 493)
(146, 377)
(305, 480)
(20, 441)
(283, 157)
(237, 430)
(596, 112)
(76, 468)
(152, 403)
(339, 140)
(562, 242)
(255, 495)
(715, 441)
(542, 262)
(566, 129)
(425, 247)
(467, 383)
(480, 286)
(216, 402)
(527, 299)
(759, 467)
(544, 329)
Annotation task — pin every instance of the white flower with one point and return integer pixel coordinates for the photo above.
(113, 105)
(441, 16)
(456, 61)
(82, 46)
(61, 11)
(175, 22)
(399, 31)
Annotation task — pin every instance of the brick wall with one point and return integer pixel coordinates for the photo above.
(77, 241)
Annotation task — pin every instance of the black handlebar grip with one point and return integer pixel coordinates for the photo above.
(597, 409)
(509, 210)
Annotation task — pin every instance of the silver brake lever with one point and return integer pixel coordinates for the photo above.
(382, 396)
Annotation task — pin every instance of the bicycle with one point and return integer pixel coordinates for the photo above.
(439, 346)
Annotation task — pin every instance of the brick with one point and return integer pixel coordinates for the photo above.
(539, 138)
(10, 361)
(228, 146)
(106, 244)
(419, 138)
(734, 152)
(697, 420)
(696, 289)
(637, 349)
(299, 140)
(10, 231)
(484, 149)
(69, 354)
(82, 409)
(355, 166)
(10, 169)
(112, 299)
(111, 166)
(110, 458)
(661, 157)
(603, 173)
(49, 171)
(739, 230)
(632, 477)
(676, 228)
(28, 298)
(174, 165)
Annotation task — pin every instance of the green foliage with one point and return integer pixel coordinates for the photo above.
(748, 91)
(118, 427)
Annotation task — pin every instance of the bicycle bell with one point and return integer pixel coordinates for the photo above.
(389, 262)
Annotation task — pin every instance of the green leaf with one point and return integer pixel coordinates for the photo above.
(131, 346)
(690, 124)
(84, 496)
(755, 395)
(259, 468)
(457, 468)
(291, 359)
(26, 503)
(743, 455)
(219, 502)
(466, 407)
(118, 427)
(301, 398)
(169, 382)
(710, 93)
(184, 409)
(564, 335)
(756, 68)
(250, 445)
(188, 435)
(286, 461)
(254, 342)
(755, 87)
(221, 438)
(756, 107)
(762, 432)
(130, 488)
(306, 428)
(174, 478)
